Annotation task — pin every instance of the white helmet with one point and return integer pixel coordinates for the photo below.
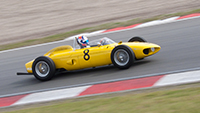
(83, 41)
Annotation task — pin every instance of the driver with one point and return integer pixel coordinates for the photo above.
(83, 41)
(104, 41)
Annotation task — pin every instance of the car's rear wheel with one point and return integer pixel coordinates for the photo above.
(122, 56)
(43, 68)
(137, 39)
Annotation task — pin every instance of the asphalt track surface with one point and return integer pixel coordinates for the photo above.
(180, 50)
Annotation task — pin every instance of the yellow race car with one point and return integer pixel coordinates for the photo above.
(101, 52)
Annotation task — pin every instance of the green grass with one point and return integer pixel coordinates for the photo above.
(185, 100)
(90, 29)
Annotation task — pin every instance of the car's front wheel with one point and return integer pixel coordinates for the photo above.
(43, 68)
(122, 56)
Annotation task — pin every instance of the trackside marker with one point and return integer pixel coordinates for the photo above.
(7, 101)
(120, 28)
(179, 78)
(121, 85)
(51, 95)
(189, 16)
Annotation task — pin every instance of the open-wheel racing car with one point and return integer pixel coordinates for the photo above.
(101, 52)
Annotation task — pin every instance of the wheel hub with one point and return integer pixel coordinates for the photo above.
(121, 57)
(42, 68)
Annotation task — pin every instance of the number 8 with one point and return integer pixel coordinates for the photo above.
(86, 55)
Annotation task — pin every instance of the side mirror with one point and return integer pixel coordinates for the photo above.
(120, 42)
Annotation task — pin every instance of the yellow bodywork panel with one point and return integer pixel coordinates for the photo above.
(83, 58)
(29, 66)
(139, 47)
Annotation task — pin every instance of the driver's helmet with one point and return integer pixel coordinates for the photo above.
(83, 41)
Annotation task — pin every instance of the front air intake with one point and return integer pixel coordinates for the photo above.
(146, 51)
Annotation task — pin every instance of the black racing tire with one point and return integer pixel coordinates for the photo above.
(122, 57)
(43, 68)
(137, 39)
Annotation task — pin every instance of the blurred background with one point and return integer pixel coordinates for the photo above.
(30, 19)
